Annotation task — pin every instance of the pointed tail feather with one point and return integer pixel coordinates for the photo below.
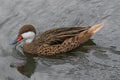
(95, 28)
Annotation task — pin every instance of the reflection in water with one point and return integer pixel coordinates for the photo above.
(28, 68)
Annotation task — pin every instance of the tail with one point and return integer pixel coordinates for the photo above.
(95, 28)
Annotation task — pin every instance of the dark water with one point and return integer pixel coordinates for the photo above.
(99, 61)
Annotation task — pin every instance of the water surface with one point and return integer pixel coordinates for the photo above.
(99, 61)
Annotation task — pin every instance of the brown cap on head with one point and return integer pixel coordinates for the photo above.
(26, 28)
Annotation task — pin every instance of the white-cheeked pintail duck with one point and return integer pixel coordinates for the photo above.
(54, 41)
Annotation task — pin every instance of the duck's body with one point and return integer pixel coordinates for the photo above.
(56, 41)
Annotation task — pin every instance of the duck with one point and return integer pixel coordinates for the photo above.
(53, 41)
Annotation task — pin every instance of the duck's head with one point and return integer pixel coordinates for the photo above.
(26, 33)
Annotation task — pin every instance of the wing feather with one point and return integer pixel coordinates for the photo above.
(57, 36)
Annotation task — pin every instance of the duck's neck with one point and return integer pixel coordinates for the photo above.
(29, 46)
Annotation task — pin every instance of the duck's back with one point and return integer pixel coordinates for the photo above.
(58, 35)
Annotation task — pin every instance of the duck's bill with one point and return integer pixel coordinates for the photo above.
(13, 43)
(19, 38)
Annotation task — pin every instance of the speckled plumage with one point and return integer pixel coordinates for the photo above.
(58, 40)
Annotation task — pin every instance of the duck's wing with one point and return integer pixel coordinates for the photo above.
(59, 35)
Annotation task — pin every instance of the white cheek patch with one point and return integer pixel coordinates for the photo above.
(29, 36)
